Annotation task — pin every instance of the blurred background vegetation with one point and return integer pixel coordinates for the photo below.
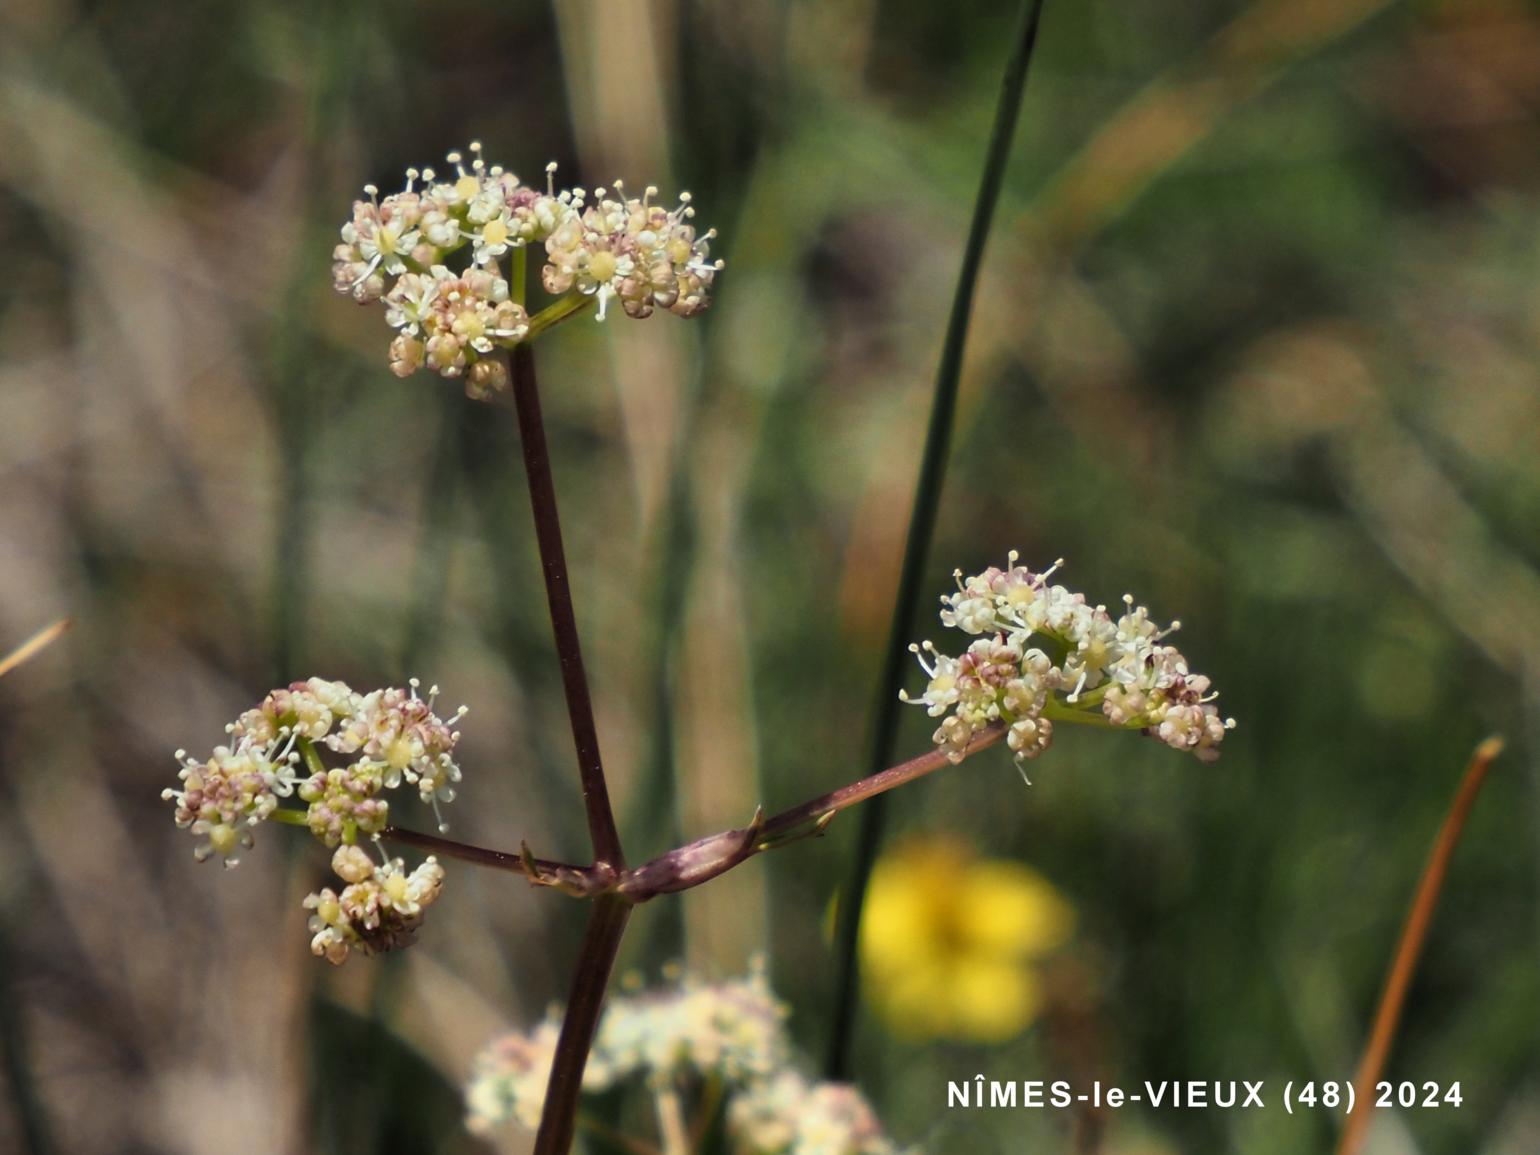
(1258, 339)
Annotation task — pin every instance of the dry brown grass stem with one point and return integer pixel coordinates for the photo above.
(1409, 949)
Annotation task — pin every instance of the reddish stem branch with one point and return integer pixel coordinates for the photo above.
(879, 783)
(704, 859)
(1409, 949)
(583, 881)
(558, 592)
(716, 854)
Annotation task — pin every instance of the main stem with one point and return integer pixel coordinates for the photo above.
(596, 958)
(922, 525)
(558, 592)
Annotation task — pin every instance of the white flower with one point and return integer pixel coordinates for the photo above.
(453, 311)
(1119, 672)
(631, 249)
(222, 797)
(399, 735)
(277, 750)
(729, 1034)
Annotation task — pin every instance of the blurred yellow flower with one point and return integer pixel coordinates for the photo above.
(949, 941)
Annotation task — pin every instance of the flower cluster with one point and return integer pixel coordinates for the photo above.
(230, 791)
(1045, 655)
(600, 245)
(642, 254)
(390, 737)
(509, 1077)
(733, 1029)
(787, 1115)
(379, 909)
(730, 1033)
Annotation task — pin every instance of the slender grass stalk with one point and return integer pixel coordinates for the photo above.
(34, 1133)
(293, 366)
(430, 571)
(658, 807)
(671, 1125)
(596, 958)
(292, 545)
(922, 526)
(1409, 949)
(33, 646)
(615, 1138)
(558, 590)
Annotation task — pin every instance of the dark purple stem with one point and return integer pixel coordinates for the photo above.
(582, 881)
(558, 592)
(596, 958)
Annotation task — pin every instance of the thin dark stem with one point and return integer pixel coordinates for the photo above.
(583, 881)
(558, 591)
(596, 958)
(922, 525)
(464, 851)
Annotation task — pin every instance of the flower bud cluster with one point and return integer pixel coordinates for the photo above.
(1044, 654)
(629, 249)
(731, 1034)
(402, 250)
(378, 910)
(392, 736)
(222, 797)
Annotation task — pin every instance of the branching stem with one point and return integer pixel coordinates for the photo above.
(696, 862)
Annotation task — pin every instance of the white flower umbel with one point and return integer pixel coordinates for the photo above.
(733, 1029)
(431, 253)
(686, 1036)
(629, 249)
(223, 797)
(508, 1079)
(1045, 655)
(787, 1115)
(391, 736)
